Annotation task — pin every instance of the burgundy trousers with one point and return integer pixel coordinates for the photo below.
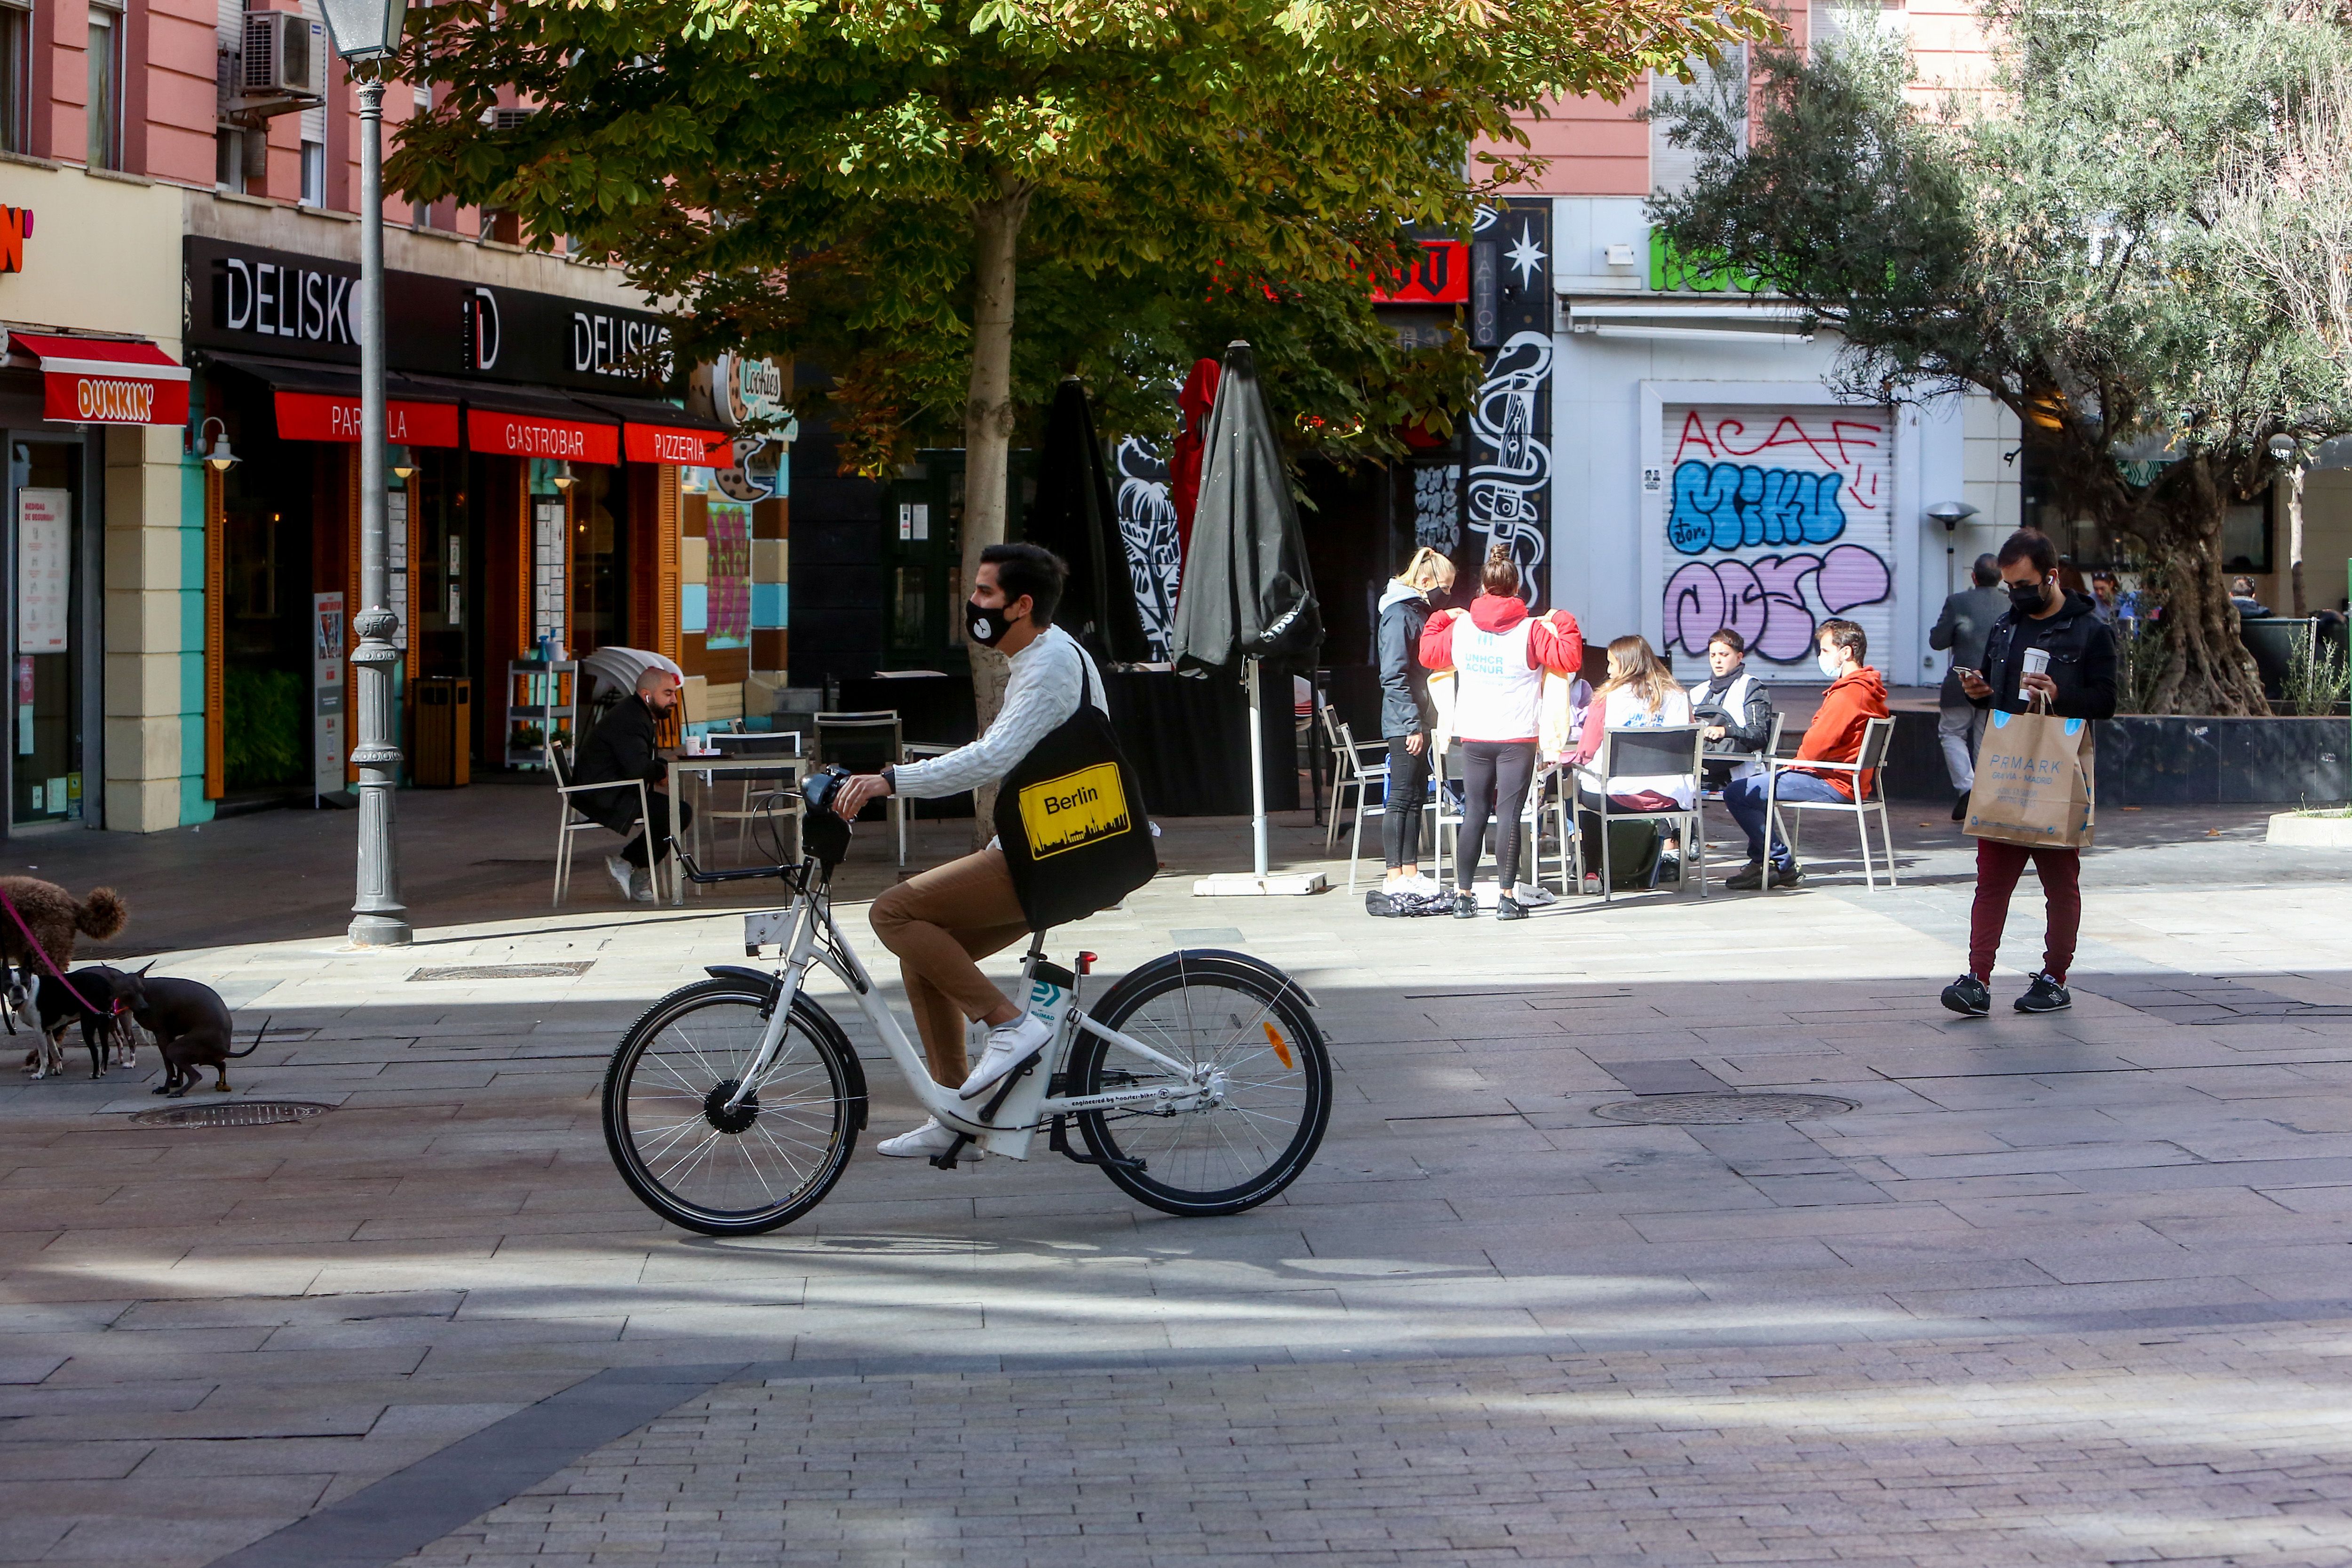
(1999, 866)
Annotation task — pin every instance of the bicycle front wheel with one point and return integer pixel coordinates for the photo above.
(722, 1171)
(1245, 1030)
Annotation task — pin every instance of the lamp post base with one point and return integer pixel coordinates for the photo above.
(381, 931)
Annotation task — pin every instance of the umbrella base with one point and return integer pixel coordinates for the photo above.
(1244, 885)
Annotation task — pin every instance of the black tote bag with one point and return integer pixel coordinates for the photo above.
(1071, 821)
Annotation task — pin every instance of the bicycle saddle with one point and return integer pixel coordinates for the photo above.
(822, 832)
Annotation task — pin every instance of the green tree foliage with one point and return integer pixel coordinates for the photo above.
(863, 183)
(2057, 244)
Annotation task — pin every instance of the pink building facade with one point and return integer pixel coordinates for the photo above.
(179, 231)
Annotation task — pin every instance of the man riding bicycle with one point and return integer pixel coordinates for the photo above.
(938, 922)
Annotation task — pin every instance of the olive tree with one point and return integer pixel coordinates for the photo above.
(2057, 243)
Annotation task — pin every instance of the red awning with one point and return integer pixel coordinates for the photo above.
(330, 417)
(671, 444)
(107, 381)
(533, 436)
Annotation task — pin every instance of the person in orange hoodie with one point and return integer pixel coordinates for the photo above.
(1856, 695)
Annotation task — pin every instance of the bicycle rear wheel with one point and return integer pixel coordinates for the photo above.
(1248, 1025)
(720, 1171)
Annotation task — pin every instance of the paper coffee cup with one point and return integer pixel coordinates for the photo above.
(2037, 662)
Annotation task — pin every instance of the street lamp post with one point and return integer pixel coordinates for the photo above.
(365, 33)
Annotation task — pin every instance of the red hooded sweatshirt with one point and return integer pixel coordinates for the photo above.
(1835, 733)
(1554, 642)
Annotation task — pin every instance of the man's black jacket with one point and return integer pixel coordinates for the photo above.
(621, 747)
(2081, 660)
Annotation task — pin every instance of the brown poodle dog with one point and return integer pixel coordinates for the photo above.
(54, 918)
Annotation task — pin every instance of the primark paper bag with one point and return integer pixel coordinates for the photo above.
(2034, 782)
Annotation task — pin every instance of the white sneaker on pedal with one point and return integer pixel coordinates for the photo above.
(924, 1141)
(1007, 1044)
(622, 873)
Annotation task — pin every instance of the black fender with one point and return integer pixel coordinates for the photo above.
(818, 1021)
(1206, 959)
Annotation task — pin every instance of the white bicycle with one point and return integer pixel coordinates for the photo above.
(1199, 1083)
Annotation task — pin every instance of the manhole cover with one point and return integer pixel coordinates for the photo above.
(1701, 1109)
(235, 1113)
(504, 971)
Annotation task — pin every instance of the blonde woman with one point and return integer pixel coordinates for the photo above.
(1639, 693)
(1407, 717)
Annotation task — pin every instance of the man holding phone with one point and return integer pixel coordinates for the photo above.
(2048, 653)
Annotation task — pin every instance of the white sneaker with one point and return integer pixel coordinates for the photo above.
(924, 1141)
(1419, 882)
(1007, 1044)
(623, 874)
(1529, 894)
(641, 889)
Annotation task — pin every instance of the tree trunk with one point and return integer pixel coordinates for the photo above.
(988, 440)
(2207, 669)
(2294, 535)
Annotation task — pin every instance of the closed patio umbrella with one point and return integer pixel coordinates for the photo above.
(1246, 595)
(1073, 517)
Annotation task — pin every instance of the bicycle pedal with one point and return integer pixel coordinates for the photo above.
(945, 1159)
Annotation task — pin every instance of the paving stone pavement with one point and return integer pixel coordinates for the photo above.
(2067, 1289)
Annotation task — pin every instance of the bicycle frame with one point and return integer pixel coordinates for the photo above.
(815, 940)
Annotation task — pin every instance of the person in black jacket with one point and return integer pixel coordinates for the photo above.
(1407, 718)
(2079, 683)
(1966, 622)
(620, 750)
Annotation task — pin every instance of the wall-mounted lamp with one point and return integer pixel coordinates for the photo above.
(402, 465)
(564, 478)
(2282, 448)
(1951, 514)
(219, 456)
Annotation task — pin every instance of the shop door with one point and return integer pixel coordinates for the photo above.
(45, 692)
(441, 574)
(922, 557)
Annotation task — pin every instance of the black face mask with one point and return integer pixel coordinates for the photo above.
(986, 626)
(2027, 597)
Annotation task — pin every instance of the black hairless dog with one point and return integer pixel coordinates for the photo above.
(192, 1029)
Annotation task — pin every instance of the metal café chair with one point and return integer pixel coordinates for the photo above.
(570, 820)
(760, 797)
(1352, 771)
(864, 742)
(1675, 751)
(1877, 736)
(1446, 831)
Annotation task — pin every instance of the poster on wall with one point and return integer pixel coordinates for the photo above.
(729, 575)
(327, 728)
(547, 551)
(1507, 493)
(44, 569)
(1771, 520)
(1147, 525)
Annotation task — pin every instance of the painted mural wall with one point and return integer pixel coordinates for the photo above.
(1773, 520)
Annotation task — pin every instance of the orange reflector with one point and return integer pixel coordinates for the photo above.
(1274, 1038)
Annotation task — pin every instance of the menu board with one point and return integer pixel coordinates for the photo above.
(44, 569)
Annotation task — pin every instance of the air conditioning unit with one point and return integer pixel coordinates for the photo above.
(285, 58)
(508, 119)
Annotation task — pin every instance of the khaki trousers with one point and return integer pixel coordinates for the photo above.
(937, 922)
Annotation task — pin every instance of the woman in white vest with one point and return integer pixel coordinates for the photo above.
(1499, 653)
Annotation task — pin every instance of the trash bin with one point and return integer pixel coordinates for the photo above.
(444, 714)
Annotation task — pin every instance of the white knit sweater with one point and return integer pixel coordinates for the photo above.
(1047, 677)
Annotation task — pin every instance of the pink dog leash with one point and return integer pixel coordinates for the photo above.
(33, 946)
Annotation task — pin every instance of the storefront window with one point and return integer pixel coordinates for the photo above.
(600, 557)
(44, 485)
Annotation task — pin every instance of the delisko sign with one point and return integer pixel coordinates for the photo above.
(289, 306)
